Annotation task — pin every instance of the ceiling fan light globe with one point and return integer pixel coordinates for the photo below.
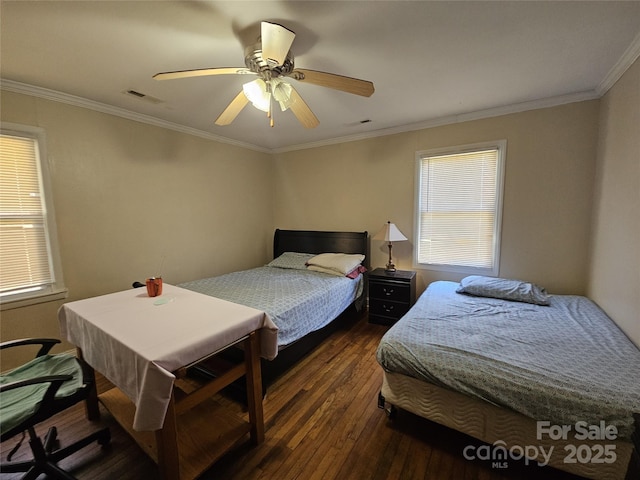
(256, 92)
(284, 106)
(282, 93)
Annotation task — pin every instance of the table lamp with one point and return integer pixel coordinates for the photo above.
(390, 233)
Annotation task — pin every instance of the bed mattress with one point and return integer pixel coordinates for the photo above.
(563, 363)
(297, 301)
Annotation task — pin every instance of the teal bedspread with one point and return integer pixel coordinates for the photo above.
(563, 363)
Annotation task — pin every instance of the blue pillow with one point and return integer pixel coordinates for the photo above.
(503, 288)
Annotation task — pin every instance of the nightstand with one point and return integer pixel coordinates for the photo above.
(391, 295)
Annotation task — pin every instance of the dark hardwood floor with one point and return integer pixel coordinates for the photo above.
(322, 422)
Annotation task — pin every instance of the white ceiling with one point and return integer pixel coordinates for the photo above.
(430, 61)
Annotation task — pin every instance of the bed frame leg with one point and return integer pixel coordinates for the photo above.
(391, 410)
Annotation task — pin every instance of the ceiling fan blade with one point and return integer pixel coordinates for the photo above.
(337, 82)
(203, 72)
(302, 111)
(232, 110)
(276, 42)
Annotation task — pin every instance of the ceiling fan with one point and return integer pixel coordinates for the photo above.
(271, 60)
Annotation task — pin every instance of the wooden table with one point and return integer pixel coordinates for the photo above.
(144, 346)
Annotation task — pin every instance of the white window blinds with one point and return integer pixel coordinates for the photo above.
(25, 260)
(459, 209)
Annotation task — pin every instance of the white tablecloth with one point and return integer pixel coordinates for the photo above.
(136, 341)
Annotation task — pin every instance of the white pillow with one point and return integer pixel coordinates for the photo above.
(315, 268)
(340, 263)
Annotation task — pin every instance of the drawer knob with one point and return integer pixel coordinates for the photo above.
(387, 292)
(387, 309)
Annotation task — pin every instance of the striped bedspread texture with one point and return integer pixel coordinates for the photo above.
(297, 301)
(563, 363)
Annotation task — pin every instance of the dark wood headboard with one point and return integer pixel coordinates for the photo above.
(307, 241)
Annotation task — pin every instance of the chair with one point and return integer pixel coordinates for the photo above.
(34, 392)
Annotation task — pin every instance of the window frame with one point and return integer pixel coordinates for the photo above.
(501, 147)
(56, 289)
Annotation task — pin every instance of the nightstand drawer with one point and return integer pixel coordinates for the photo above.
(387, 308)
(389, 291)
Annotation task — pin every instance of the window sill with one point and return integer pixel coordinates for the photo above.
(490, 272)
(33, 300)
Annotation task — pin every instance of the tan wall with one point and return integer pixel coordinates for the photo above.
(547, 201)
(615, 262)
(126, 194)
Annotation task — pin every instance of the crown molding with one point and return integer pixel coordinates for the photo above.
(627, 59)
(451, 119)
(56, 96)
(18, 87)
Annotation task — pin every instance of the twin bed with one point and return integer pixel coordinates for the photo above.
(548, 377)
(305, 304)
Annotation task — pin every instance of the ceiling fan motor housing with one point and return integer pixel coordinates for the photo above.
(267, 70)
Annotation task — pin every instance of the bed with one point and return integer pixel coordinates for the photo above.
(305, 305)
(547, 376)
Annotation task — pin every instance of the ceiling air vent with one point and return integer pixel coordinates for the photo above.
(142, 96)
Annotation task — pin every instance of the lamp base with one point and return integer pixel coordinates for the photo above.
(390, 268)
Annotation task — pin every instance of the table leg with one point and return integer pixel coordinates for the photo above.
(91, 407)
(254, 387)
(167, 444)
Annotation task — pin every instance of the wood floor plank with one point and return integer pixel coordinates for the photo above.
(321, 422)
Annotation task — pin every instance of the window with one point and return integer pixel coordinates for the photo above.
(459, 208)
(29, 262)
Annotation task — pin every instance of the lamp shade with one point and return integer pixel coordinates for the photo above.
(389, 233)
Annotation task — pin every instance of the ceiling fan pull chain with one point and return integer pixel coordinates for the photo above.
(270, 93)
